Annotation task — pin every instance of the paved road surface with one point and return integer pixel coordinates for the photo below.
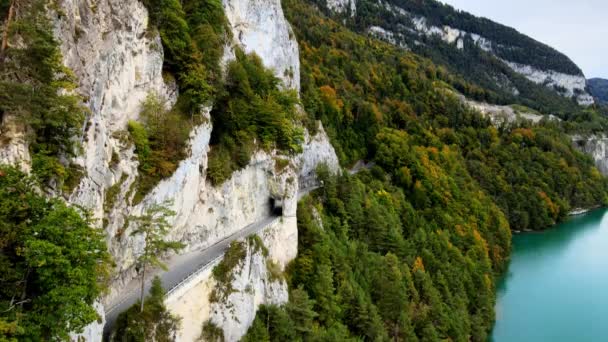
(180, 267)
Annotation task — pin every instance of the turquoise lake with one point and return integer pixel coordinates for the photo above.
(556, 287)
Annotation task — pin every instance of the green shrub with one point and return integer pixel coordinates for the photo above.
(52, 257)
(251, 109)
(257, 245)
(154, 323)
(274, 270)
(112, 194)
(220, 165)
(192, 33)
(47, 168)
(211, 333)
(139, 136)
(160, 143)
(33, 84)
(75, 174)
(281, 164)
(223, 273)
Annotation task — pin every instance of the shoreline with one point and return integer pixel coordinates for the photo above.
(581, 211)
(572, 213)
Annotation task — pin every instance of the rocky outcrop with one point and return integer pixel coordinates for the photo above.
(406, 29)
(254, 284)
(317, 150)
(567, 85)
(387, 36)
(597, 147)
(117, 63)
(506, 114)
(343, 6)
(118, 60)
(259, 26)
(14, 148)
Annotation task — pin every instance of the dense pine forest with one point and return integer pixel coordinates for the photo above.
(489, 78)
(410, 249)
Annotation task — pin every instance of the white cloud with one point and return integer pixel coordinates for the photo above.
(577, 28)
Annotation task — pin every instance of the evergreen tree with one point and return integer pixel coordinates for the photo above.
(152, 323)
(153, 227)
(53, 263)
(300, 310)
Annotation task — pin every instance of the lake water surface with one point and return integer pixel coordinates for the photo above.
(556, 288)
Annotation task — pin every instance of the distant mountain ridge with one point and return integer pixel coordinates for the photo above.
(495, 57)
(598, 87)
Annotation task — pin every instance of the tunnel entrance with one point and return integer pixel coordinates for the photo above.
(276, 206)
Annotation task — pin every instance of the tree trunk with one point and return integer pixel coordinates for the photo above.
(24, 291)
(143, 283)
(5, 35)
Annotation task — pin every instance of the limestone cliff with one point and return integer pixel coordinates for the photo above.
(118, 60)
(343, 6)
(254, 284)
(259, 26)
(597, 147)
(506, 114)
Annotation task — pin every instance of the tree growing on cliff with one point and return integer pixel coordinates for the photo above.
(53, 263)
(154, 323)
(154, 227)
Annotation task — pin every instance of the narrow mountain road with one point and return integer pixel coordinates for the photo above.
(180, 267)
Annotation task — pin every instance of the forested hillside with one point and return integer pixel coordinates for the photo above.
(599, 89)
(410, 249)
(477, 49)
(511, 45)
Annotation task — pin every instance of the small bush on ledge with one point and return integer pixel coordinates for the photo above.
(251, 112)
(224, 271)
(160, 141)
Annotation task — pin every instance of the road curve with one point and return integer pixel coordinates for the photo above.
(180, 267)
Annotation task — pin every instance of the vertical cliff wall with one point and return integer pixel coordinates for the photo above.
(597, 147)
(118, 60)
(260, 27)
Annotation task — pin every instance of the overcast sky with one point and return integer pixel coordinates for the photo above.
(578, 28)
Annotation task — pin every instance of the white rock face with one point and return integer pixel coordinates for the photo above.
(259, 26)
(118, 62)
(482, 42)
(387, 36)
(383, 34)
(318, 150)
(193, 306)
(505, 114)
(342, 6)
(597, 147)
(14, 149)
(253, 286)
(575, 85)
